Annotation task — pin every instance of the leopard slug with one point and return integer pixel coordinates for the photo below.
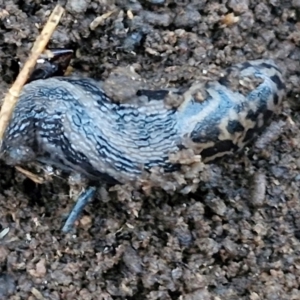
(70, 123)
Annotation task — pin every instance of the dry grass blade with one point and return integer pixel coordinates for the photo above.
(30, 175)
(39, 46)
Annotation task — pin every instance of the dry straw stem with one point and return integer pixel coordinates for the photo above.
(30, 175)
(39, 46)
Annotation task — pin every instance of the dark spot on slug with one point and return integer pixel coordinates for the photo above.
(253, 132)
(269, 66)
(278, 82)
(219, 147)
(268, 114)
(276, 99)
(224, 81)
(210, 133)
(235, 126)
(250, 135)
(252, 115)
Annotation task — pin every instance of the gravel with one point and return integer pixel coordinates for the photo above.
(236, 237)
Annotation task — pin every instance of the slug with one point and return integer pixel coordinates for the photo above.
(70, 123)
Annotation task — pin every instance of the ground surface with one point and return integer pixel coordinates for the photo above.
(237, 237)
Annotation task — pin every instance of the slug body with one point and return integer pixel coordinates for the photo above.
(70, 123)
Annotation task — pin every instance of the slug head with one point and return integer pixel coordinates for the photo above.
(16, 155)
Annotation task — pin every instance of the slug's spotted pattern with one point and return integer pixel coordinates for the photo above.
(70, 123)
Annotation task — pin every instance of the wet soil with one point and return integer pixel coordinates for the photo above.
(236, 237)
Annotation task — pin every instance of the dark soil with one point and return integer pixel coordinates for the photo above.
(237, 237)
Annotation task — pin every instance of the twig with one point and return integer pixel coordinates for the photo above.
(41, 42)
(82, 200)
